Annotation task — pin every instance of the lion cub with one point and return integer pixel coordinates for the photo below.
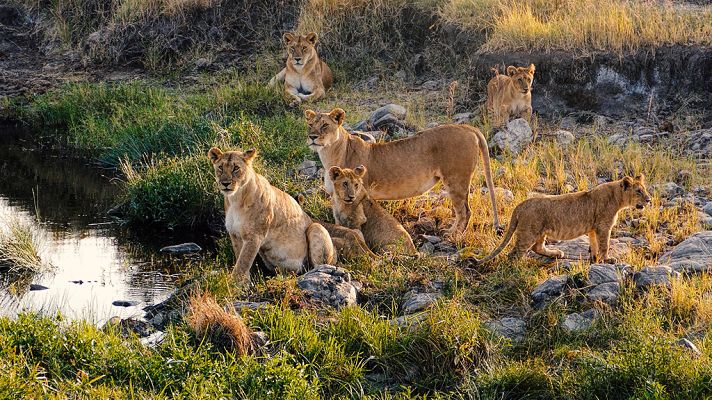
(510, 95)
(354, 208)
(264, 220)
(569, 216)
(306, 77)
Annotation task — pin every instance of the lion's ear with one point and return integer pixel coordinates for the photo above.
(338, 115)
(627, 183)
(249, 155)
(641, 179)
(335, 172)
(288, 38)
(531, 69)
(214, 154)
(309, 115)
(312, 38)
(511, 70)
(360, 171)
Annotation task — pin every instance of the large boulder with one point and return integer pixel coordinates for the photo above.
(515, 137)
(329, 285)
(578, 249)
(415, 301)
(658, 275)
(549, 290)
(605, 281)
(692, 256)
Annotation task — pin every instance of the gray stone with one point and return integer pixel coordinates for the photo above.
(708, 208)
(183, 248)
(130, 326)
(607, 292)
(414, 301)
(693, 255)
(462, 118)
(508, 327)
(308, 169)
(515, 137)
(124, 303)
(578, 249)
(427, 248)
(668, 190)
(431, 85)
(387, 117)
(549, 289)
(35, 287)
(705, 219)
(371, 137)
(578, 322)
(432, 238)
(604, 273)
(563, 137)
(686, 343)
(329, 285)
(658, 275)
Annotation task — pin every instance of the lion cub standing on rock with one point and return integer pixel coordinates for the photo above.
(568, 216)
(510, 95)
(354, 208)
(306, 77)
(264, 220)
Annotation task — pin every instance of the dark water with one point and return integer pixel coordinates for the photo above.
(67, 201)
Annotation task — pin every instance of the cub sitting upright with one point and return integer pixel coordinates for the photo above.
(569, 216)
(306, 77)
(510, 95)
(264, 220)
(354, 208)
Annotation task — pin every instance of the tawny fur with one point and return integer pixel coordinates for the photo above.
(264, 220)
(510, 95)
(407, 167)
(349, 243)
(306, 77)
(354, 208)
(568, 216)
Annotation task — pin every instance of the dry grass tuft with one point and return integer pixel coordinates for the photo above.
(20, 248)
(225, 330)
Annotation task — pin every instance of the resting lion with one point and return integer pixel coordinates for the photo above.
(354, 208)
(510, 95)
(406, 167)
(568, 216)
(306, 77)
(263, 219)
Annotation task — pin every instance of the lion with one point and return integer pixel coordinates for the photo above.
(406, 167)
(264, 220)
(510, 95)
(568, 216)
(354, 208)
(306, 77)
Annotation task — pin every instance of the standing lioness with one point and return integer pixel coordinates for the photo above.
(510, 95)
(306, 77)
(406, 167)
(569, 216)
(263, 219)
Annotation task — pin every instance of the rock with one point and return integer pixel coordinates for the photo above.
(390, 117)
(308, 169)
(515, 137)
(548, 290)
(699, 142)
(508, 327)
(568, 123)
(604, 273)
(183, 248)
(578, 322)
(431, 85)
(130, 326)
(432, 238)
(371, 137)
(124, 303)
(500, 192)
(705, 219)
(329, 285)
(35, 287)
(417, 63)
(427, 248)
(578, 249)
(202, 63)
(462, 118)
(658, 275)
(395, 110)
(692, 256)
(400, 75)
(605, 292)
(668, 190)
(414, 301)
(564, 138)
(686, 343)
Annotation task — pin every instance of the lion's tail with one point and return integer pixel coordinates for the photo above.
(507, 237)
(484, 150)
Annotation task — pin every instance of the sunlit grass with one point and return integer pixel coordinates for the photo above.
(21, 245)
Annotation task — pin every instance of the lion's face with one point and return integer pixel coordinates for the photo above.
(634, 192)
(348, 184)
(323, 128)
(522, 77)
(231, 168)
(300, 48)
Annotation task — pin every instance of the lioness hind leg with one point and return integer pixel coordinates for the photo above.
(523, 243)
(539, 248)
(458, 191)
(321, 249)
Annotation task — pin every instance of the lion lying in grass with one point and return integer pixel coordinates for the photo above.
(354, 208)
(264, 220)
(568, 216)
